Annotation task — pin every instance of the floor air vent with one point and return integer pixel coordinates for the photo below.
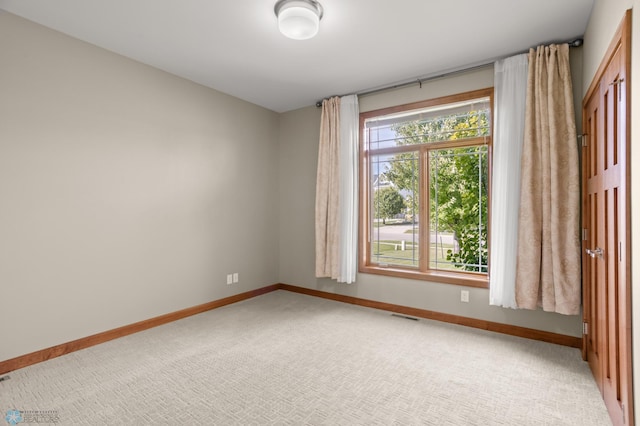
(405, 317)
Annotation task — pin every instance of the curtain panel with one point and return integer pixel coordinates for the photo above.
(348, 205)
(548, 263)
(336, 208)
(510, 100)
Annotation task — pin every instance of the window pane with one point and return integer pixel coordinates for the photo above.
(394, 209)
(458, 184)
(456, 121)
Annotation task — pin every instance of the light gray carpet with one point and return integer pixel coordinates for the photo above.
(289, 359)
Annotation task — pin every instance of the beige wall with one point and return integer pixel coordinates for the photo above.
(126, 192)
(298, 146)
(604, 21)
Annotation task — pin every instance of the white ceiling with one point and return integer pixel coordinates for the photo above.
(234, 46)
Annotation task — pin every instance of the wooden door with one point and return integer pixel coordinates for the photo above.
(606, 223)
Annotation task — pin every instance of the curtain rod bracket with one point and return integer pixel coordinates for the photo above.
(576, 43)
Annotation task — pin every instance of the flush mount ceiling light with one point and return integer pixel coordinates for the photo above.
(298, 19)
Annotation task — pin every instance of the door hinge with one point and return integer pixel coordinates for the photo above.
(583, 139)
(618, 83)
(584, 234)
(585, 328)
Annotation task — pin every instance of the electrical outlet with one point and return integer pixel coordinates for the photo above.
(464, 296)
(229, 279)
(235, 277)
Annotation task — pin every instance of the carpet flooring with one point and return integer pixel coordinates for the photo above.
(289, 359)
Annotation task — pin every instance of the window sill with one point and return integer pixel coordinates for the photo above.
(457, 278)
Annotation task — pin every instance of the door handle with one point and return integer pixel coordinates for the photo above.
(596, 252)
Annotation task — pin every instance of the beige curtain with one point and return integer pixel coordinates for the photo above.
(327, 192)
(548, 261)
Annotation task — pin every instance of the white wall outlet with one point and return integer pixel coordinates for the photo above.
(229, 279)
(464, 296)
(235, 277)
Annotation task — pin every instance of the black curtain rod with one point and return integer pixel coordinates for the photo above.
(574, 43)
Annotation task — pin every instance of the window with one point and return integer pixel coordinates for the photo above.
(425, 189)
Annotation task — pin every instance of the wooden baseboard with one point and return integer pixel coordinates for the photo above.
(85, 342)
(513, 330)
